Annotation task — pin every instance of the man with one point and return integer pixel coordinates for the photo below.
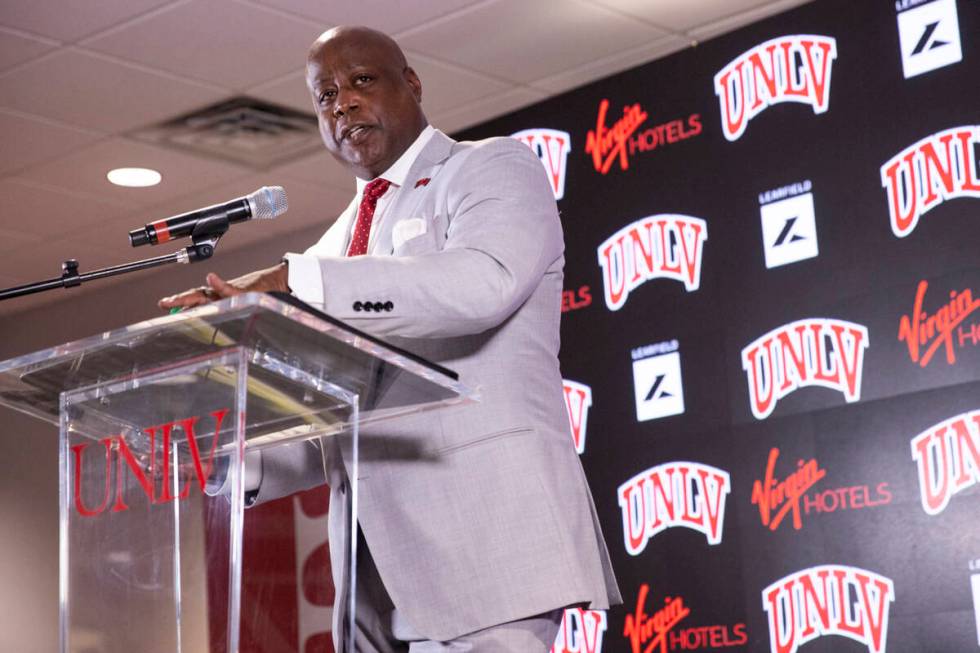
(478, 522)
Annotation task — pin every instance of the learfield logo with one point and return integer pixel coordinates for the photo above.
(812, 352)
(665, 246)
(927, 173)
(581, 631)
(658, 387)
(677, 494)
(552, 147)
(828, 600)
(792, 494)
(929, 35)
(947, 456)
(925, 332)
(578, 400)
(786, 69)
(616, 143)
(789, 227)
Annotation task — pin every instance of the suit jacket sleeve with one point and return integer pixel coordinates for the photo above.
(503, 235)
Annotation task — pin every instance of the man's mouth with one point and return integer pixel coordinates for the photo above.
(356, 133)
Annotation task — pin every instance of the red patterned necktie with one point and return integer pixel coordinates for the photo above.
(365, 214)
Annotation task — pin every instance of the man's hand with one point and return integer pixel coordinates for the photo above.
(274, 278)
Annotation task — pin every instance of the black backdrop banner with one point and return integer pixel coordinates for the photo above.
(770, 339)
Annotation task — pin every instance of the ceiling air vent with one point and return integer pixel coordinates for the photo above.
(244, 130)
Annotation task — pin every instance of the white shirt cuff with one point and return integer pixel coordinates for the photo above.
(305, 278)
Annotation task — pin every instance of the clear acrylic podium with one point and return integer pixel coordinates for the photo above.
(155, 419)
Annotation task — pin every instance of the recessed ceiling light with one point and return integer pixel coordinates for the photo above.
(134, 177)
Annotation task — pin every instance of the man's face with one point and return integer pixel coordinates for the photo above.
(367, 102)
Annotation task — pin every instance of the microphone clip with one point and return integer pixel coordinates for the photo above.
(205, 238)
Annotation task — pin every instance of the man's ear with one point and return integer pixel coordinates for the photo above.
(413, 80)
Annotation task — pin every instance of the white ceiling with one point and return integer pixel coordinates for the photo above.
(76, 75)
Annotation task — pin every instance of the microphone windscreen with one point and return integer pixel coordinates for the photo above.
(268, 202)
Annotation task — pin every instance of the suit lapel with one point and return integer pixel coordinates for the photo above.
(428, 164)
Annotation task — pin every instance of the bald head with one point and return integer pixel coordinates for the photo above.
(367, 98)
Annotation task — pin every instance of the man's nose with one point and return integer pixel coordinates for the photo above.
(347, 101)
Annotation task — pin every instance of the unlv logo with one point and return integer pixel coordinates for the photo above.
(685, 494)
(665, 246)
(578, 400)
(938, 168)
(146, 473)
(786, 69)
(948, 459)
(581, 631)
(811, 352)
(828, 600)
(552, 147)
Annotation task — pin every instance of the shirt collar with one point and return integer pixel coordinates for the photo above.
(398, 171)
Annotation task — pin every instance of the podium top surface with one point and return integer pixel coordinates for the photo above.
(300, 362)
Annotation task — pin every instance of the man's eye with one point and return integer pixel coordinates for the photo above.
(326, 96)
(363, 79)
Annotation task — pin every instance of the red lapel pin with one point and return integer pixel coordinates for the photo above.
(424, 181)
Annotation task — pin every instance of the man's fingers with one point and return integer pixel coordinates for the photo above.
(186, 299)
(220, 287)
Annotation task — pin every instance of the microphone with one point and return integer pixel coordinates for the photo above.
(265, 203)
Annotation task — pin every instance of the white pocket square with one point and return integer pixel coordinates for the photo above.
(406, 230)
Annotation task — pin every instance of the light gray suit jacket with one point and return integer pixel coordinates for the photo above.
(475, 515)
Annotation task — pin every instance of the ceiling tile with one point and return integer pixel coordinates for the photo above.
(84, 171)
(446, 87)
(319, 170)
(17, 48)
(289, 91)
(27, 141)
(84, 89)
(733, 22)
(38, 210)
(385, 15)
(525, 51)
(224, 42)
(681, 15)
(611, 65)
(72, 19)
(485, 109)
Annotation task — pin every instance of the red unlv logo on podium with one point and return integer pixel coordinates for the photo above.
(811, 352)
(552, 147)
(947, 456)
(685, 494)
(665, 246)
(146, 473)
(828, 600)
(786, 69)
(936, 169)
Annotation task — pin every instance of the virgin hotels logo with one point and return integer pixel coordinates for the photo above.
(786, 69)
(925, 333)
(552, 147)
(811, 352)
(648, 632)
(687, 494)
(947, 457)
(659, 632)
(934, 170)
(156, 476)
(664, 246)
(828, 600)
(790, 496)
(578, 400)
(607, 145)
(617, 143)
